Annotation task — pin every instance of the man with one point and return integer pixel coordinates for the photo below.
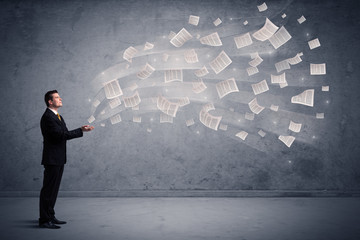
(55, 134)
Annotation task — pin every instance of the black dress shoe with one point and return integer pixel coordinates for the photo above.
(49, 225)
(57, 221)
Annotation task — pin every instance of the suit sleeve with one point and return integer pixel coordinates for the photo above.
(52, 130)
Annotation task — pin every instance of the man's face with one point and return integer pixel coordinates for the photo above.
(56, 101)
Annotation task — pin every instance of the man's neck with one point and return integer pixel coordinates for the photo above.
(54, 109)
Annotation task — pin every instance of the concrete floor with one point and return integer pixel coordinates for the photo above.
(186, 218)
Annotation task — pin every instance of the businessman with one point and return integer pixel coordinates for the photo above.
(55, 135)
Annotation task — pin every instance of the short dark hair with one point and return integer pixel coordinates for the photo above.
(48, 96)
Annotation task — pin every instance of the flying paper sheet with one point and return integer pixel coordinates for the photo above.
(325, 88)
(262, 7)
(284, 15)
(220, 62)
(301, 19)
(132, 101)
(317, 69)
(274, 108)
(190, 122)
(243, 40)
(320, 115)
(242, 135)
(129, 53)
(164, 118)
(180, 38)
(136, 119)
(280, 38)
(211, 40)
(96, 103)
(261, 133)
(252, 70)
(201, 72)
(304, 98)
(256, 61)
(249, 116)
(184, 101)
(194, 20)
(91, 119)
(207, 119)
(199, 86)
(223, 127)
(278, 78)
(314, 43)
(295, 60)
(217, 22)
(225, 87)
(255, 107)
(266, 31)
(146, 71)
(167, 107)
(295, 127)
(115, 119)
(112, 89)
(287, 140)
(114, 102)
(246, 23)
(148, 46)
(282, 65)
(191, 56)
(173, 75)
(260, 87)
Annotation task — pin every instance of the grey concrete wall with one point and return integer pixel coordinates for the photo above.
(67, 45)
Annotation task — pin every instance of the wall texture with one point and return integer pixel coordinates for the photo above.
(76, 46)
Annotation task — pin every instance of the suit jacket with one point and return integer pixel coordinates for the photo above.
(55, 134)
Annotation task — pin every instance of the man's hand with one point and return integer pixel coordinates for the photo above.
(87, 128)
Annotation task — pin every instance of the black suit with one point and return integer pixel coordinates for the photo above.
(55, 134)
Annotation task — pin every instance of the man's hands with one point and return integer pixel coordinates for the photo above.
(87, 128)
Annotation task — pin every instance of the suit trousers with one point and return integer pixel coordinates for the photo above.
(49, 191)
